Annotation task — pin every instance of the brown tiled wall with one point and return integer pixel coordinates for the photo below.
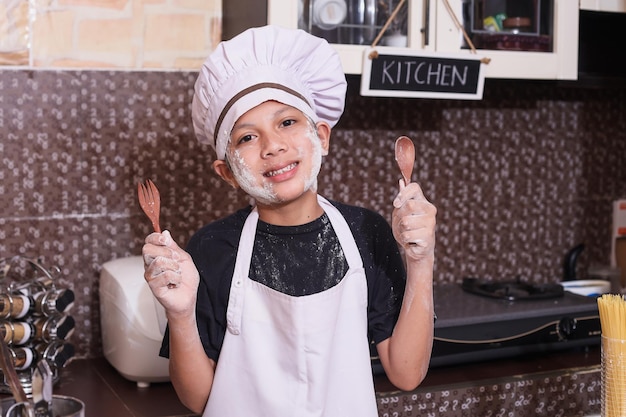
(518, 178)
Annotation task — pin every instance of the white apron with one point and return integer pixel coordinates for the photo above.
(286, 356)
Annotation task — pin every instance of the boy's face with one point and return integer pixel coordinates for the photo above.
(275, 153)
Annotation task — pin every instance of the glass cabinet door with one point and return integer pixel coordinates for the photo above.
(510, 25)
(354, 22)
(353, 25)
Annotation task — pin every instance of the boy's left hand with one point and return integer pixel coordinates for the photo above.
(413, 222)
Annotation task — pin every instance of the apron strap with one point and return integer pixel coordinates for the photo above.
(242, 268)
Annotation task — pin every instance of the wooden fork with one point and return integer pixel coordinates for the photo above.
(150, 202)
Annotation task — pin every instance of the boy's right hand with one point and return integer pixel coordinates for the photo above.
(170, 273)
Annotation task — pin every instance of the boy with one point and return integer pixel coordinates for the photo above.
(270, 309)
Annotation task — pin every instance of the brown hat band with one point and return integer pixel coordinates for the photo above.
(248, 90)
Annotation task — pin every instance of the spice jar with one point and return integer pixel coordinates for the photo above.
(14, 305)
(16, 332)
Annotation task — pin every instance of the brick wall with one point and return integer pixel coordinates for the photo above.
(113, 34)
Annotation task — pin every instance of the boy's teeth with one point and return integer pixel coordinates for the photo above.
(280, 171)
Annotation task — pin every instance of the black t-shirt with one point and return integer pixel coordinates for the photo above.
(298, 260)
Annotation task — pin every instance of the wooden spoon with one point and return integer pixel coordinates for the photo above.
(405, 157)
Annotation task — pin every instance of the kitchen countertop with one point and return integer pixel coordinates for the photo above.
(106, 393)
(503, 369)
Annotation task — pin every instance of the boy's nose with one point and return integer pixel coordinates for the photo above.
(273, 145)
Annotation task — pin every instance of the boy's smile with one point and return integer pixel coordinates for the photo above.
(275, 153)
(277, 172)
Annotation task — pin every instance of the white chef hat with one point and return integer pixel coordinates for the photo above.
(262, 64)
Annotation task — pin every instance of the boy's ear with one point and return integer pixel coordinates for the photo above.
(222, 169)
(323, 132)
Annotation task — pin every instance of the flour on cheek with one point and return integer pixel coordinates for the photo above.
(316, 160)
(264, 194)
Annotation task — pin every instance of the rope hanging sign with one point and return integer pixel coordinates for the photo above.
(404, 72)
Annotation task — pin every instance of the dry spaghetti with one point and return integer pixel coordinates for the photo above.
(612, 310)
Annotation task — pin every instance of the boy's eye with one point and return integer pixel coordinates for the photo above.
(244, 139)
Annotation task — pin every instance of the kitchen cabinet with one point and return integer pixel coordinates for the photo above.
(429, 26)
(612, 6)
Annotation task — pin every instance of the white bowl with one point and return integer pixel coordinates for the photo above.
(588, 287)
(328, 14)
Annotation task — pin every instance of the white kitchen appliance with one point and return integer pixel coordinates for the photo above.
(132, 321)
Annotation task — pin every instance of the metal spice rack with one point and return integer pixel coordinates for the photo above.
(34, 318)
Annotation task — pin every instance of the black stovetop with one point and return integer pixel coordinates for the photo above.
(455, 306)
(473, 327)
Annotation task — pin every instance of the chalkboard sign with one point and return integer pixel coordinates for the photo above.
(410, 73)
